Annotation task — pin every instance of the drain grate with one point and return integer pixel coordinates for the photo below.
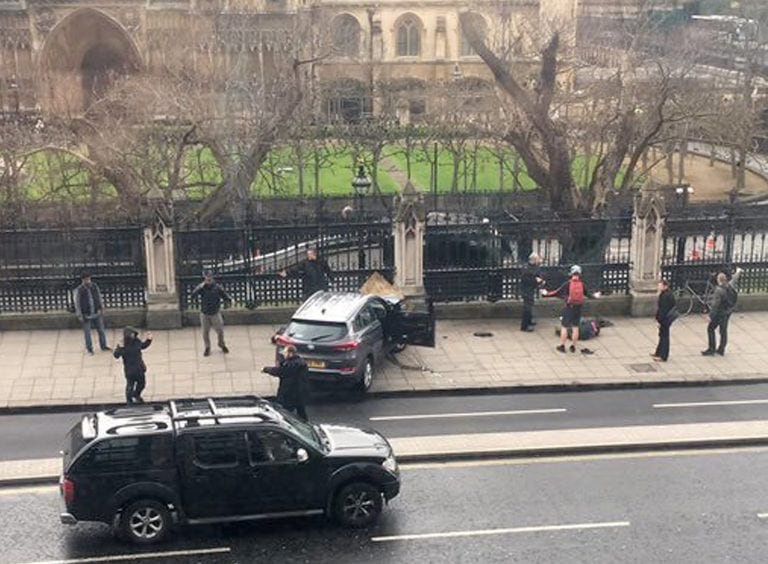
(643, 367)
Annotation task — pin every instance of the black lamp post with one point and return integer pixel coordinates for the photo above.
(360, 184)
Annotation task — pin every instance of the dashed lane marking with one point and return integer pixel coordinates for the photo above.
(466, 414)
(710, 403)
(140, 557)
(510, 531)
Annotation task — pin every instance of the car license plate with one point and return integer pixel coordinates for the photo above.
(315, 364)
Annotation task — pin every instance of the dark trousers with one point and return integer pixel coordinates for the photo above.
(662, 349)
(722, 323)
(134, 385)
(527, 319)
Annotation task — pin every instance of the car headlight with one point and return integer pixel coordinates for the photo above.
(390, 464)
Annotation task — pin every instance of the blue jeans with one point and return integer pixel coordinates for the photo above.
(98, 321)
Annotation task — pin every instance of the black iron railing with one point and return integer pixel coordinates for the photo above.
(40, 268)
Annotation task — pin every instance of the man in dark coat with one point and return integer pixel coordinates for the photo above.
(665, 316)
(133, 363)
(89, 307)
(211, 295)
(314, 272)
(530, 281)
(292, 391)
(720, 310)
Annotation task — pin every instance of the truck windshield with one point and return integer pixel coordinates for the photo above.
(302, 429)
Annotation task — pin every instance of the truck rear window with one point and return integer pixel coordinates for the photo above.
(79, 435)
(316, 332)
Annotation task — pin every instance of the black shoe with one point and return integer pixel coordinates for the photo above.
(224, 349)
(721, 353)
(533, 323)
(104, 349)
(708, 352)
(138, 399)
(587, 351)
(527, 329)
(560, 348)
(207, 352)
(573, 348)
(90, 352)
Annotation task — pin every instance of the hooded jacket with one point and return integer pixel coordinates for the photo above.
(130, 352)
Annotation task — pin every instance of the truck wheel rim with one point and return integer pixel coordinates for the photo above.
(358, 506)
(146, 523)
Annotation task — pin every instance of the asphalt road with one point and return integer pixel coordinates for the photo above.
(40, 436)
(709, 506)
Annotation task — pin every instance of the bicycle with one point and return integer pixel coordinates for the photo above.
(687, 296)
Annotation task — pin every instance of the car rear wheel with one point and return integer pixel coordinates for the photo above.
(365, 379)
(358, 505)
(145, 522)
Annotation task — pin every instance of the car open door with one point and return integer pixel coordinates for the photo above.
(416, 321)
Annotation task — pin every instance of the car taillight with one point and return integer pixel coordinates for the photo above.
(67, 490)
(348, 346)
(283, 341)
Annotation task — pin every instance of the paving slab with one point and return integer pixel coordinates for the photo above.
(39, 368)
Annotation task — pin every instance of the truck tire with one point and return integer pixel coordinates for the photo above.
(145, 521)
(357, 505)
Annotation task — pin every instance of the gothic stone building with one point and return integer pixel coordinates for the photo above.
(56, 55)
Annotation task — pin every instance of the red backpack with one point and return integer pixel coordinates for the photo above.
(575, 292)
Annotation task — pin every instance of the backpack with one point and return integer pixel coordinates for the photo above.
(575, 292)
(731, 297)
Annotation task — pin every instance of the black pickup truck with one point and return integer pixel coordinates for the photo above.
(145, 469)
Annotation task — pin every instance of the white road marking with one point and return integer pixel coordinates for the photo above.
(467, 414)
(578, 458)
(710, 403)
(138, 556)
(514, 530)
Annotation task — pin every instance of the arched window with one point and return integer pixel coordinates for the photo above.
(346, 36)
(409, 37)
(465, 49)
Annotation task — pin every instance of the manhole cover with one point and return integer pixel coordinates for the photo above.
(643, 367)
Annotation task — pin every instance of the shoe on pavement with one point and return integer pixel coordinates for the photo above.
(527, 329)
(90, 352)
(533, 322)
(721, 353)
(708, 353)
(658, 358)
(585, 350)
(207, 352)
(560, 348)
(224, 349)
(138, 399)
(573, 348)
(104, 349)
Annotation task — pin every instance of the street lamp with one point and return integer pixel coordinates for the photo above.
(360, 184)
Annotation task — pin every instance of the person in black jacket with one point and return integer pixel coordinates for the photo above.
(314, 272)
(665, 314)
(530, 281)
(133, 363)
(211, 295)
(89, 308)
(292, 391)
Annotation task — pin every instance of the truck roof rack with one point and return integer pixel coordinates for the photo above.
(195, 409)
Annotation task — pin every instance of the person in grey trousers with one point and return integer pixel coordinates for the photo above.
(211, 295)
(89, 308)
(720, 309)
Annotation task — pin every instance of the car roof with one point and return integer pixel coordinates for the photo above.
(332, 307)
(180, 414)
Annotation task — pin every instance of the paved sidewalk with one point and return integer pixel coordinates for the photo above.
(517, 443)
(43, 368)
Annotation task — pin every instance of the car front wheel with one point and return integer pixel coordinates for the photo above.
(358, 505)
(145, 522)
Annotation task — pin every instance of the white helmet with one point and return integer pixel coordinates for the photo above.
(575, 269)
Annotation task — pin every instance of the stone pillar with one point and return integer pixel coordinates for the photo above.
(408, 230)
(646, 250)
(163, 310)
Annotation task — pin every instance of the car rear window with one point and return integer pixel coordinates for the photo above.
(126, 454)
(316, 332)
(73, 443)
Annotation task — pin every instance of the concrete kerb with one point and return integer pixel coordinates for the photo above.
(501, 454)
(443, 392)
